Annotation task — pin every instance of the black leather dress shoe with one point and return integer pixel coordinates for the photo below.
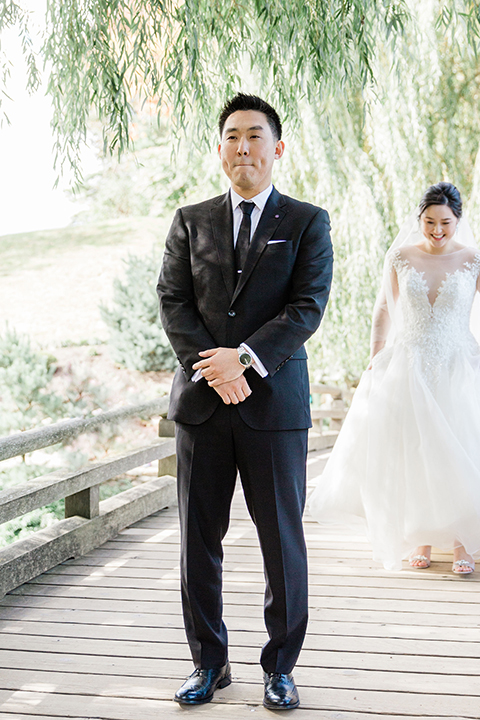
(280, 692)
(202, 683)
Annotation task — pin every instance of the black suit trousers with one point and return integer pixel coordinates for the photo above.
(272, 468)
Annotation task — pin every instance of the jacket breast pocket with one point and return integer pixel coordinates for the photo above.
(280, 241)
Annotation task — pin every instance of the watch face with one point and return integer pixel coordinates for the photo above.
(245, 359)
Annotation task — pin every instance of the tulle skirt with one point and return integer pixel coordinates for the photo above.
(407, 459)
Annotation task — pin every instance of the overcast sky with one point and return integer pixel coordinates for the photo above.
(27, 200)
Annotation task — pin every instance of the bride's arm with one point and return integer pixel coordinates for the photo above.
(381, 319)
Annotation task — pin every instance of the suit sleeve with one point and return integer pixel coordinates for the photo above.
(178, 312)
(278, 339)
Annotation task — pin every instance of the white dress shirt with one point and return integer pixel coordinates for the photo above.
(259, 201)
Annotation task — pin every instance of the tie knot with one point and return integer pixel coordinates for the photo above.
(247, 207)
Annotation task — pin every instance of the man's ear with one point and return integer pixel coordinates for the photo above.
(279, 149)
(220, 149)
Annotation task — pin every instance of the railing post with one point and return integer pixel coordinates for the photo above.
(337, 404)
(85, 503)
(317, 425)
(167, 466)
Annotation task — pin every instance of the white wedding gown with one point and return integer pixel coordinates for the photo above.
(408, 456)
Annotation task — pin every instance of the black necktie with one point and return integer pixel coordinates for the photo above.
(243, 239)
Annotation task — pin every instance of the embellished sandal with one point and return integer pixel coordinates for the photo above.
(469, 567)
(419, 558)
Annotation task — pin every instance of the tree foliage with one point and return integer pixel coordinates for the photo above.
(381, 99)
(369, 167)
(186, 56)
(422, 126)
(13, 15)
(136, 336)
(33, 390)
(109, 55)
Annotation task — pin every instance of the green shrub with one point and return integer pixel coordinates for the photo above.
(22, 527)
(136, 335)
(25, 375)
(35, 390)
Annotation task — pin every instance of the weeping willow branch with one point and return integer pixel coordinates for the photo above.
(12, 15)
(109, 57)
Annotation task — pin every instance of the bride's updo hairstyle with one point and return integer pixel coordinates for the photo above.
(443, 193)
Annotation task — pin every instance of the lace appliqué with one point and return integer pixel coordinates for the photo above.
(397, 262)
(434, 333)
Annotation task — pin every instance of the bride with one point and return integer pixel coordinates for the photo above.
(408, 457)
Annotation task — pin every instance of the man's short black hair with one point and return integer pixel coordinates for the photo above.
(251, 102)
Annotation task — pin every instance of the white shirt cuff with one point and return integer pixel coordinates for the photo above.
(257, 363)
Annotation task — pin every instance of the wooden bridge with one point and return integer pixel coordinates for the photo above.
(101, 635)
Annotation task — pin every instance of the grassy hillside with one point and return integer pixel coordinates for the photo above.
(53, 281)
(41, 248)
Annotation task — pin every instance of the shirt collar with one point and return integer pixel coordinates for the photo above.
(260, 200)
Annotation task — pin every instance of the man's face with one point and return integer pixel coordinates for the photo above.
(248, 150)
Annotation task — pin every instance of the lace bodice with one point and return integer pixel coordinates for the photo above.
(435, 325)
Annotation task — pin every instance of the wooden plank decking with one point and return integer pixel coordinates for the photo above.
(102, 636)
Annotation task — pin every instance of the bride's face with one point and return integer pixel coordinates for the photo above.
(438, 224)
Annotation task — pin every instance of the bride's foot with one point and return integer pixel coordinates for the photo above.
(420, 558)
(463, 563)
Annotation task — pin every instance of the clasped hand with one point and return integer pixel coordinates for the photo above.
(223, 371)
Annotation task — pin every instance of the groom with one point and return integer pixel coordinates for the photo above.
(244, 283)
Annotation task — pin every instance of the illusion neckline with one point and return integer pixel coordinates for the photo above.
(421, 274)
(441, 255)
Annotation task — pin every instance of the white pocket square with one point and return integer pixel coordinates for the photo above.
(274, 242)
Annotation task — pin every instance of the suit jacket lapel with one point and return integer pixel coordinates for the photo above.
(222, 226)
(272, 215)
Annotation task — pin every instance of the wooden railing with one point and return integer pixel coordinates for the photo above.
(333, 408)
(88, 522)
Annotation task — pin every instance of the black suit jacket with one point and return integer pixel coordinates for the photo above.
(274, 308)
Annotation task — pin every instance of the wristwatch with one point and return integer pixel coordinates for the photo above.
(244, 358)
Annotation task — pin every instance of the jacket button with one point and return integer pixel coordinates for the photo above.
(231, 313)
